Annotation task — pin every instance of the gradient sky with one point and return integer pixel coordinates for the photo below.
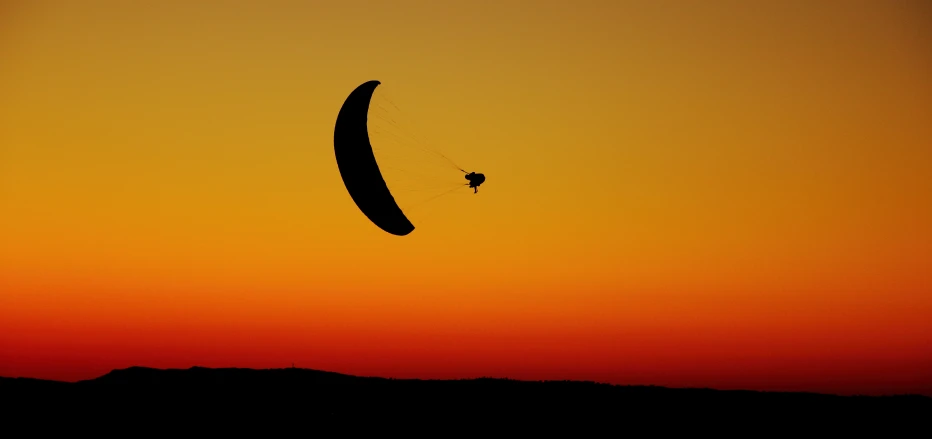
(724, 194)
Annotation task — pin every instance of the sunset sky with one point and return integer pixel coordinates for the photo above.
(726, 194)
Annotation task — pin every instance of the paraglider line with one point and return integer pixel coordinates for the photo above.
(438, 195)
(423, 144)
(391, 101)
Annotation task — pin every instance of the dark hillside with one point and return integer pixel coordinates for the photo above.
(296, 395)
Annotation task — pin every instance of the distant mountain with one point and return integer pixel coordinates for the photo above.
(295, 395)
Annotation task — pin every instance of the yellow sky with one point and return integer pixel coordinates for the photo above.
(668, 150)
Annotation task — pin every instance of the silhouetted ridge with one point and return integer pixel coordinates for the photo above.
(282, 393)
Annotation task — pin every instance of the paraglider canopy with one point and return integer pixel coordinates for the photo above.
(358, 167)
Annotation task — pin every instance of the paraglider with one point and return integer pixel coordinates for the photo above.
(475, 180)
(360, 171)
(358, 167)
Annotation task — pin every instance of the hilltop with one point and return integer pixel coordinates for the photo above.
(284, 393)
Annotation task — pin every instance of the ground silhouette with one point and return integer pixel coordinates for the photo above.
(295, 395)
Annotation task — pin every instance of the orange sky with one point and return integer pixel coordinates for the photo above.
(722, 194)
